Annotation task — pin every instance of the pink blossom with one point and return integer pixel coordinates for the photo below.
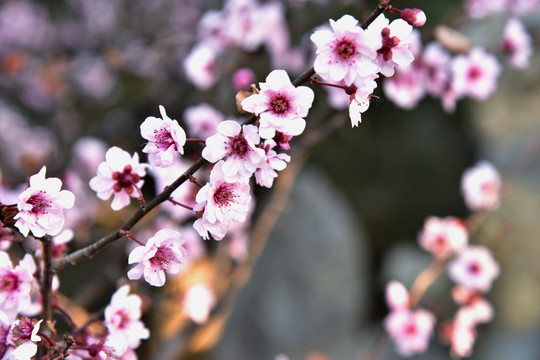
(243, 78)
(397, 296)
(108, 347)
(202, 120)
(23, 336)
(356, 108)
(198, 301)
(270, 164)
(200, 66)
(162, 253)
(220, 203)
(16, 283)
(443, 237)
(460, 336)
(280, 105)
(87, 153)
(481, 8)
(435, 61)
(414, 17)
(5, 325)
(238, 146)
(410, 330)
(407, 87)
(346, 52)
(122, 317)
(119, 175)
(481, 187)
(395, 43)
(517, 43)
(474, 268)
(41, 206)
(165, 138)
(475, 74)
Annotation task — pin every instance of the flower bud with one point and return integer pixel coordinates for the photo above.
(414, 17)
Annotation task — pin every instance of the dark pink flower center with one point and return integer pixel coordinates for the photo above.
(345, 49)
(163, 139)
(39, 203)
(239, 146)
(474, 73)
(280, 104)
(410, 329)
(162, 259)
(224, 194)
(9, 282)
(22, 331)
(125, 180)
(474, 268)
(388, 42)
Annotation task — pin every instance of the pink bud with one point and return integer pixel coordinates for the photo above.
(414, 17)
(243, 78)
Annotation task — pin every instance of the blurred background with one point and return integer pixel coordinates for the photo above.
(76, 69)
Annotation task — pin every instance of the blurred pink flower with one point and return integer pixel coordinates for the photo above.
(122, 317)
(16, 283)
(517, 43)
(443, 237)
(481, 187)
(202, 120)
(410, 330)
(475, 74)
(198, 301)
(474, 268)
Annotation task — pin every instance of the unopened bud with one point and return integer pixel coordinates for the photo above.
(414, 17)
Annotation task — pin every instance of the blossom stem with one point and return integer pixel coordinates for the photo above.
(131, 237)
(196, 140)
(46, 279)
(180, 204)
(141, 196)
(64, 312)
(194, 181)
(314, 80)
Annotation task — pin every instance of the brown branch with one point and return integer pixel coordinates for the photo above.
(46, 279)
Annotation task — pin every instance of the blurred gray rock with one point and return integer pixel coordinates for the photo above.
(307, 292)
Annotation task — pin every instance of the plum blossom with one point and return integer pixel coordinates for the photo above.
(280, 105)
(198, 301)
(481, 8)
(443, 237)
(200, 66)
(108, 347)
(409, 329)
(474, 268)
(202, 120)
(266, 171)
(481, 187)
(122, 317)
(414, 17)
(395, 43)
(517, 43)
(475, 74)
(16, 283)
(346, 52)
(238, 146)
(219, 203)
(165, 138)
(407, 87)
(23, 336)
(435, 61)
(119, 175)
(41, 206)
(243, 78)
(162, 253)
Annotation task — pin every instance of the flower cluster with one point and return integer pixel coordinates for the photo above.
(471, 267)
(352, 57)
(472, 73)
